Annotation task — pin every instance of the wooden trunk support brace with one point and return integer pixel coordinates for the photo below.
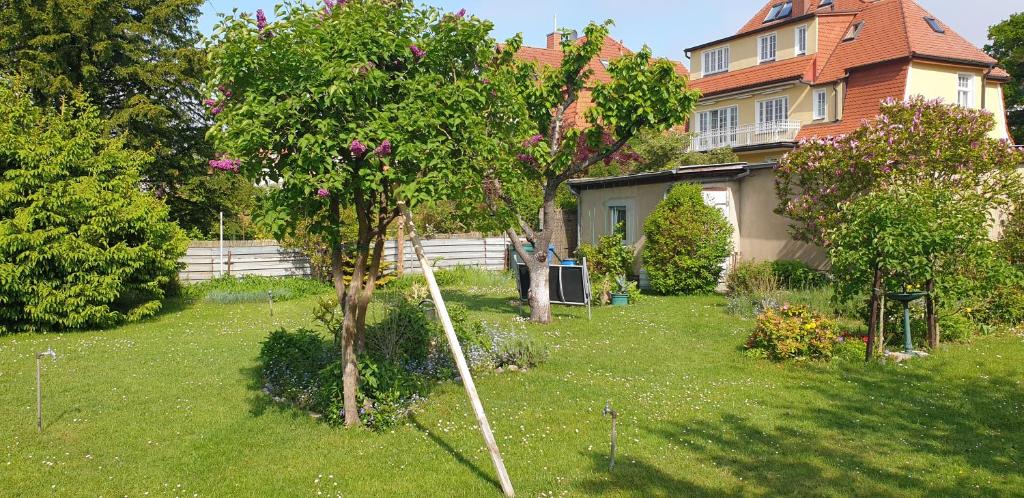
(456, 349)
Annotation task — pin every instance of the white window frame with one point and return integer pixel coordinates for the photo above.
(731, 118)
(820, 103)
(625, 203)
(722, 54)
(800, 40)
(785, 106)
(965, 95)
(761, 42)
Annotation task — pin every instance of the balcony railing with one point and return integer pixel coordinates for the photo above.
(753, 134)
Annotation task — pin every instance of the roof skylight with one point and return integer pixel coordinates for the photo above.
(824, 3)
(934, 24)
(772, 13)
(854, 31)
(780, 11)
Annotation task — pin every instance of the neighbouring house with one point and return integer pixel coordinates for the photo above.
(797, 69)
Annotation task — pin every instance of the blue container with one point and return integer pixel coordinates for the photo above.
(569, 262)
(620, 299)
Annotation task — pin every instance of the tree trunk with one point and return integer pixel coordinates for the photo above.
(337, 266)
(933, 325)
(873, 314)
(350, 330)
(540, 294)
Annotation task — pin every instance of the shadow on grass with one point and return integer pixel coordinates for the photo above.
(260, 402)
(635, 477)
(465, 462)
(883, 432)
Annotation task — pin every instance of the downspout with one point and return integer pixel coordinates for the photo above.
(835, 101)
(579, 215)
(984, 84)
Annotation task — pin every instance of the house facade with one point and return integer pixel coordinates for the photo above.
(798, 69)
(804, 68)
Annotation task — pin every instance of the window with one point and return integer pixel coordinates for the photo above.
(618, 219)
(715, 61)
(854, 31)
(934, 24)
(779, 11)
(771, 112)
(766, 48)
(717, 127)
(820, 104)
(824, 3)
(801, 40)
(965, 90)
(604, 62)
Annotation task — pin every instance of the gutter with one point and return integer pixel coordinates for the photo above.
(767, 27)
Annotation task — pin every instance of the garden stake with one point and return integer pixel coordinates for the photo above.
(270, 293)
(608, 411)
(39, 386)
(456, 349)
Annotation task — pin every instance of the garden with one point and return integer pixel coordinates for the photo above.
(333, 129)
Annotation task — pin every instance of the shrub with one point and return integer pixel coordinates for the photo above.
(291, 366)
(687, 242)
(608, 257)
(793, 332)
(752, 278)
(81, 245)
(797, 275)
(851, 348)
(519, 350)
(957, 328)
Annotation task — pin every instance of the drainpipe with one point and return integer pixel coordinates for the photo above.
(579, 216)
(835, 100)
(984, 83)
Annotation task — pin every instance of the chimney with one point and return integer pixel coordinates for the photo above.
(554, 40)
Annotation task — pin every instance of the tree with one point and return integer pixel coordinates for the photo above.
(914, 142)
(644, 93)
(140, 64)
(359, 105)
(80, 245)
(1008, 48)
(687, 242)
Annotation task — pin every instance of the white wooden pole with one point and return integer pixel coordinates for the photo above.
(460, 360)
(222, 243)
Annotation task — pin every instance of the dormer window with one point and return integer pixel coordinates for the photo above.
(934, 24)
(604, 62)
(779, 11)
(854, 31)
(715, 61)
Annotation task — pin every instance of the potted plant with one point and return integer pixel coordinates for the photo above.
(621, 295)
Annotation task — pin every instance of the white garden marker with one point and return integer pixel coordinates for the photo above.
(460, 360)
(39, 386)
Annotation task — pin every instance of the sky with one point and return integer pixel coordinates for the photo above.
(667, 26)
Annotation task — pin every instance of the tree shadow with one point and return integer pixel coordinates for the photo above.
(879, 434)
(260, 402)
(635, 477)
(465, 462)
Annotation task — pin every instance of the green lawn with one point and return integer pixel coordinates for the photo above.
(170, 408)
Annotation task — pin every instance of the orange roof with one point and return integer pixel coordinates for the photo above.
(610, 50)
(865, 91)
(787, 70)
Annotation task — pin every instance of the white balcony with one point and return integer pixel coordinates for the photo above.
(741, 136)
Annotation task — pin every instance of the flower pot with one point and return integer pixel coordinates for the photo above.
(620, 299)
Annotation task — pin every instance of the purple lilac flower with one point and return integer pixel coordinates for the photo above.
(225, 164)
(384, 149)
(357, 148)
(417, 52)
(225, 90)
(261, 20)
(461, 13)
(534, 140)
(322, 192)
(217, 110)
(526, 159)
(210, 103)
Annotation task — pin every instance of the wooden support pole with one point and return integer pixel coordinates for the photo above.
(460, 360)
(876, 284)
(930, 316)
(400, 247)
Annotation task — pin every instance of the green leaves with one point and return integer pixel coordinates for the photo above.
(80, 244)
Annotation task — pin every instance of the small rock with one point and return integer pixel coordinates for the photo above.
(499, 370)
(513, 368)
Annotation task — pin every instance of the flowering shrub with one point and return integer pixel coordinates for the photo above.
(687, 243)
(793, 332)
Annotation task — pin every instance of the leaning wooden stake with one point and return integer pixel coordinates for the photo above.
(460, 360)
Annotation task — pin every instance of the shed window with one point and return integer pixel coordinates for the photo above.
(618, 219)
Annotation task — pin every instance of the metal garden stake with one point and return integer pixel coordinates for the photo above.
(608, 411)
(39, 385)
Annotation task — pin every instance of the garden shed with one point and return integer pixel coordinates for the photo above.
(744, 192)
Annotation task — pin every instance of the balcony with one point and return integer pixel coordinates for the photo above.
(746, 135)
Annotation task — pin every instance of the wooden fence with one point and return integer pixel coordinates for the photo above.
(267, 258)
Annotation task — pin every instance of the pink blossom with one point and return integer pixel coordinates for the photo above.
(417, 52)
(225, 164)
(384, 149)
(357, 148)
(461, 13)
(322, 192)
(534, 140)
(261, 20)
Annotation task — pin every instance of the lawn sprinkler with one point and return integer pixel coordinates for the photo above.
(906, 297)
(608, 411)
(39, 385)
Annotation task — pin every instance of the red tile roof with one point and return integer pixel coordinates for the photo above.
(775, 72)
(610, 51)
(865, 90)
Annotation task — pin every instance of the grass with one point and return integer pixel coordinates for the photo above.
(169, 407)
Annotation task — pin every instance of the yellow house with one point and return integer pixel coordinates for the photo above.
(797, 69)
(804, 68)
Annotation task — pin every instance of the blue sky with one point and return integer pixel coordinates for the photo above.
(668, 27)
